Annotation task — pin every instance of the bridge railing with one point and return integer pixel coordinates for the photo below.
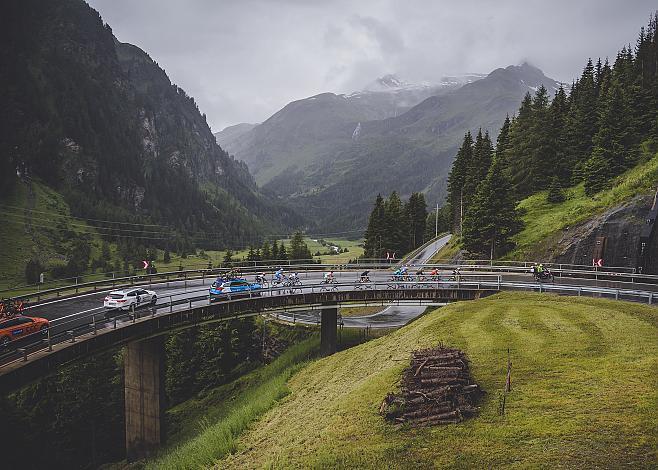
(467, 265)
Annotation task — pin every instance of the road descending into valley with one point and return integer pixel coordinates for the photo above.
(392, 316)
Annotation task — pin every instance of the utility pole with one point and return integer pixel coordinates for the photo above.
(461, 212)
(436, 222)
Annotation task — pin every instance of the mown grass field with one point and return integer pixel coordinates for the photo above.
(584, 393)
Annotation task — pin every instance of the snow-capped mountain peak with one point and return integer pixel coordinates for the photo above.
(392, 82)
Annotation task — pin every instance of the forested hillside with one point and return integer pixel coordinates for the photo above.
(100, 122)
(604, 126)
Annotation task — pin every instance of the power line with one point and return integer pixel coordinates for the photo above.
(239, 241)
(23, 209)
(168, 228)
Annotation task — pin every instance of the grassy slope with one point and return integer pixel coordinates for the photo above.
(20, 241)
(544, 221)
(228, 411)
(448, 252)
(585, 393)
(206, 428)
(360, 311)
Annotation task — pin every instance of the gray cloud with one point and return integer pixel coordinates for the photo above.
(243, 60)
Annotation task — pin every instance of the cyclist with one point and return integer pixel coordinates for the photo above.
(294, 278)
(278, 275)
(364, 276)
(329, 277)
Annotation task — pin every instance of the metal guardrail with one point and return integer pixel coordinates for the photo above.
(83, 323)
(469, 265)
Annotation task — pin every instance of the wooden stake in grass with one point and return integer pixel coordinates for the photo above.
(508, 381)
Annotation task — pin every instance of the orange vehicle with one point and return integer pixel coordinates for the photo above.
(19, 327)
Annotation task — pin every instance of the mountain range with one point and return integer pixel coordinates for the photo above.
(329, 155)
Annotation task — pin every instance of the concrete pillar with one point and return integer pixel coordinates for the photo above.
(144, 387)
(328, 328)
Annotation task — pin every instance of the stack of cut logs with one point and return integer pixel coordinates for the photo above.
(436, 389)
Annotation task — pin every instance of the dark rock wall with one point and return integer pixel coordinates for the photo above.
(622, 227)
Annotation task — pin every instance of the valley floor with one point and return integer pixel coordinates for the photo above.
(584, 393)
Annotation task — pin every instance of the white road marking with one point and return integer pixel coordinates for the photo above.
(77, 313)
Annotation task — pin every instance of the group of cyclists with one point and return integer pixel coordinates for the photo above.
(540, 272)
(10, 308)
(400, 274)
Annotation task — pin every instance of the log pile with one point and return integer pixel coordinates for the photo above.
(436, 389)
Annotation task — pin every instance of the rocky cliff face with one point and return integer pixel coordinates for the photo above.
(100, 121)
(622, 228)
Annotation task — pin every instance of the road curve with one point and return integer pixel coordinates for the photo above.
(396, 316)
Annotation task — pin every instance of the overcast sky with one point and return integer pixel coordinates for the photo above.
(243, 60)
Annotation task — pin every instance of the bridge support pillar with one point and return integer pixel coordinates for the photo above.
(328, 328)
(144, 396)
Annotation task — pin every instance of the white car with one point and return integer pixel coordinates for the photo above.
(125, 299)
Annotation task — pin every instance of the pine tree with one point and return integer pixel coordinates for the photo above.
(542, 143)
(283, 253)
(555, 192)
(457, 180)
(598, 170)
(276, 254)
(298, 249)
(416, 213)
(106, 254)
(582, 120)
(614, 124)
(228, 256)
(396, 225)
(266, 254)
(376, 237)
(558, 112)
(518, 154)
(479, 165)
(503, 142)
(492, 218)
